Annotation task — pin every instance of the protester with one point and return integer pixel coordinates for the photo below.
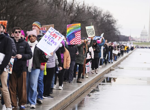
(14, 51)
(106, 52)
(73, 52)
(50, 69)
(110, 49)
(33, 69)
(95, 61)
(5, 55)
(65, 60)
(17, 82)
(80, 59)
(101, 44)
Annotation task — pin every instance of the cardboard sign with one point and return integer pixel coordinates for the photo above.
(50, 41)
(74, 34)
(45, 28)
(4, 22)
(90, 31)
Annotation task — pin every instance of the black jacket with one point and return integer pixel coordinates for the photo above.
(23, 49)
(96, 52)
(38, 58)
(72, 50)
(5, 48)
(14, 50)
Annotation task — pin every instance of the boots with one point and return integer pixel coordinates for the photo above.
(79, 81)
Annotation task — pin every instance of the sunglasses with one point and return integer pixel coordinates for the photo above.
(17, 32)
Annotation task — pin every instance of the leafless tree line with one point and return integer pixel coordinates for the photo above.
(23, 13)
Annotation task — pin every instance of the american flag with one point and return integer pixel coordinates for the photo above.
(77, 39)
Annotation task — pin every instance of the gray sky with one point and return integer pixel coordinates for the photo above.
(132, 15)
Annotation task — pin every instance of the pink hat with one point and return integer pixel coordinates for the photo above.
(22, 33)
(98, 41)
(33, 32)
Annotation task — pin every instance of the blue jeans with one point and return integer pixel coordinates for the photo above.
(40, 85)
(32, 83)
(71, 70)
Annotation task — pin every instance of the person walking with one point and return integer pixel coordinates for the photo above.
(33, 69)
(17, 81)
(5, 55)
(95, 61)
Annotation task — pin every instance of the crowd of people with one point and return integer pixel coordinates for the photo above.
(35, 74)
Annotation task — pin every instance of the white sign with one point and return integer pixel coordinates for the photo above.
(50, 41)
(90, 31)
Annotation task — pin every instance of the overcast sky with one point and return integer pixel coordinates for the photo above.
(132, 15)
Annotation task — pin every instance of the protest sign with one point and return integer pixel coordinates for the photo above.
(74, 34)
(4, 22)
(90, 31)
(50, 41)
(45, 28)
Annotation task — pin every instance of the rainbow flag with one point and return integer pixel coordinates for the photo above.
(74, 34)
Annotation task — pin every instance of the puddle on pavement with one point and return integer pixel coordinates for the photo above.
(92, 100)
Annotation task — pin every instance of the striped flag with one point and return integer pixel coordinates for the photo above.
(76, 39)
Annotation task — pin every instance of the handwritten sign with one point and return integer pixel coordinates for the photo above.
(45, 28)
(50, 41)
(90, 31)
(4, 22)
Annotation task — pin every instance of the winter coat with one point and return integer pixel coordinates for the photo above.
(97, 51)
(72, 50)
(38, 58)
(100, 45)
(24, 49)
(110, 50)
(67, 59)
(51, 60)
(14, 50)
(6, 49)
(80, 57)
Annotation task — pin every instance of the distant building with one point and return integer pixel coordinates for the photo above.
(144, 35)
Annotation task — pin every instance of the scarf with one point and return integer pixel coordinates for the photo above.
(30, 62)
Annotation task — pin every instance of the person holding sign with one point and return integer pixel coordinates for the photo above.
(33, 68)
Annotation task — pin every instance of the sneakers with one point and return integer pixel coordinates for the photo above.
(60, 88)
(32, 107)
(39, 101)
(47, 96)
(87, 75)
(54, 87)
(22, 107)
(3, 107)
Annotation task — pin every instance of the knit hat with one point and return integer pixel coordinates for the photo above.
(22, 33)
(33, 32)
(94, 41)
(98, 41)
(37, 24)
